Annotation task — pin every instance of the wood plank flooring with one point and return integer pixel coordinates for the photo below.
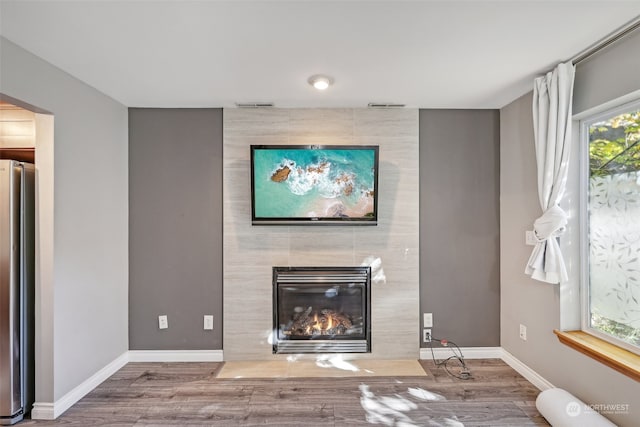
(189, 394)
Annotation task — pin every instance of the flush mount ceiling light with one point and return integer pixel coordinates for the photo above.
(320, 81)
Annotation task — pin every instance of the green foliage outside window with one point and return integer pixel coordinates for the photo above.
(614, 145)
(616, 329)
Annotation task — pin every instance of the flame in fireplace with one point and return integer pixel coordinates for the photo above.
(326, 322)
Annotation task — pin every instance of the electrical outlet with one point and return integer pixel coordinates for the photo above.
(530, 238)
(426, 335)
(427, 320)
(163, 322)
(208, 322)
(523, 332)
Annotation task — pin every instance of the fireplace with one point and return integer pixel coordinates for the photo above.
(322, 309)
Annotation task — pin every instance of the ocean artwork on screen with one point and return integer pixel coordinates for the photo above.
(314, 183)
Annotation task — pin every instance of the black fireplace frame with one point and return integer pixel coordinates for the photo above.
(313, 276)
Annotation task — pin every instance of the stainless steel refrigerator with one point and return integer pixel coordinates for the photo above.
(17, 280)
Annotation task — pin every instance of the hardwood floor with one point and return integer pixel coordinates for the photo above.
(188, 394)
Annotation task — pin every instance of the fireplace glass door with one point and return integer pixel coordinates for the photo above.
(320, 310)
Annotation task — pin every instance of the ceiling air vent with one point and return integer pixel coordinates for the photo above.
(254, 104)
(385, 105)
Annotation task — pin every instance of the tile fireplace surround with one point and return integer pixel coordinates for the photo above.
(391, 247)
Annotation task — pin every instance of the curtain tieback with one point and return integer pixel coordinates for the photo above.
(552, 223)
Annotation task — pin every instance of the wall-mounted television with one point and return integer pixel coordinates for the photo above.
(314, 184)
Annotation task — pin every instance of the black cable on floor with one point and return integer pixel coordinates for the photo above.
(465, 373)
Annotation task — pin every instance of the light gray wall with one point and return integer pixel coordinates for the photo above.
(391, 246)
(175, 227)
(88, 304)
(610, 74)
(460, 225)
(536, 304)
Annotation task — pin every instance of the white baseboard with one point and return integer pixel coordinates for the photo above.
(468, 352)
(43, 411)
(51, 411)
(532, 376)
(176, 356)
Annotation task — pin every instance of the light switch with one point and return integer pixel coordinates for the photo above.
(163, 322)
(427, 320)
(208, 322)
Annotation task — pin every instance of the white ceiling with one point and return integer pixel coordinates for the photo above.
(428, 54)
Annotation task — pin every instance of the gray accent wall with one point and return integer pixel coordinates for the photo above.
(175, 228)
(460, 225)
(543, 307)
(82, 313)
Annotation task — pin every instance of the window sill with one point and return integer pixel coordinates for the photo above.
(604, 352)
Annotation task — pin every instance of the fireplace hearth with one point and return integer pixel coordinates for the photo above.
(322, 309)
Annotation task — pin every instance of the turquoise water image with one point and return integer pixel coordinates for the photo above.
(314, 183)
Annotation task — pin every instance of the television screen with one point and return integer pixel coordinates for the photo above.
(322, 184)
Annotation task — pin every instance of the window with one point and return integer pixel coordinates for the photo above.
(611, 226)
